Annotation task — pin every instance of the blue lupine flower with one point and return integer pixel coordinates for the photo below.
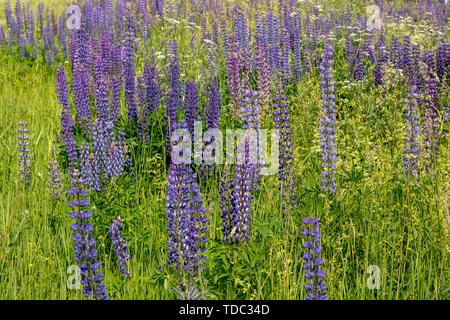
(66, 119)
(236, 197)
(313, 261)
(85, 253)
(187, 221)
(285, 171)
(120, 246)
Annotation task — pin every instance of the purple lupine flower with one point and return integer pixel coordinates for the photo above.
(153, 86)
(215, 32)
(241, 195)
(120, 14)
(379, 61)
(285, 63)
(250, 116)
(109, 15)
(40, 14)
(327, 122)
(213, 114)
(224, 37)
(263, 79)
(89, 16)
(428, 59)
(297, 55)
(114, 100)
(102, 108)
(8, 14)
(174, 102)
(85, 253)
(313, 261)
(101, 141)
(191, 105)
(24, 154)
(54, 179)
(286, 172)
(81, 97)
(359, 66)
(307, 59)
(407, 62)
(233, 75)
(395, 53)
(367, 49)
(3, 40)
(129, 67)
(117, 155)
(88, 167)
(22, 50)
(120, 246)
(240, 30)
(411, 153)
(12, 35)
(349, 51)
(431, 130)
(66, 119)
(244, 67)
(160, 7)
(19, 19)
(441, 64)
(187, 221)
(62, 35)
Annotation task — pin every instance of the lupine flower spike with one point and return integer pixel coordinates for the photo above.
(24, 154)
(313, 262)
(85, 253)
(120, 246)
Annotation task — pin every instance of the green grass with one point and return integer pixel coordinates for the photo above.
(378, 217)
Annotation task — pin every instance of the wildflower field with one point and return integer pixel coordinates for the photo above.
(224, 149)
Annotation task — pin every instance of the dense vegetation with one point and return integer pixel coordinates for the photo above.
(361, 102)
